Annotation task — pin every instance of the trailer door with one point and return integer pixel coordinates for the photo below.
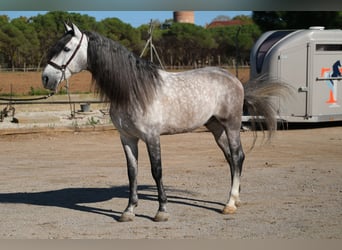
(327, 81)
(293, 69)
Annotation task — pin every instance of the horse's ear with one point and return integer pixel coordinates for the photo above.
(67, 27)
(76, 30)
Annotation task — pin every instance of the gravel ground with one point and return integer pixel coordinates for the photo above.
(74, 185)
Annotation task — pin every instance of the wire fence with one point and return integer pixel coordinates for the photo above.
(166, 67)
(20, 69)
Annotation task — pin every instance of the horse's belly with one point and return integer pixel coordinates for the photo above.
(169, 129)
(182, 121)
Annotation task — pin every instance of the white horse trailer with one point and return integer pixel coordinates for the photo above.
(309, 61)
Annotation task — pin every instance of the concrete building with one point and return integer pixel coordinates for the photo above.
(184, 17)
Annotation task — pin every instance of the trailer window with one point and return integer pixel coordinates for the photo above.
(267, 45)
(328, 47)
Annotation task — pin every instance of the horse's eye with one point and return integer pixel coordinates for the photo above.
(66, 49)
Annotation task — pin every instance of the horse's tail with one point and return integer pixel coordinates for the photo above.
(260, 104)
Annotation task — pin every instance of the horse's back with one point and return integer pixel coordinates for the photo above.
(210, 86)
(189, 99)
(213, 78)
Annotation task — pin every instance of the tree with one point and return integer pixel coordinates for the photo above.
(248, 35)
(121, 32)
(4, 19)
(305, 19)
(269, 20)
(29, 48)
(225, 36)
(12, 40)
(24, 42)
(186, 44)
(273, 20)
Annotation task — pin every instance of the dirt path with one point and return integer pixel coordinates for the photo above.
(74, 185)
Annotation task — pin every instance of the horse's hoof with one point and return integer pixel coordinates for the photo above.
(126, 217)
(238, 203)
(161, 216)
(229, 210)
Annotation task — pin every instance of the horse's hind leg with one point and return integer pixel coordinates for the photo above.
(153, 146)
(237, 158)
(232, 149)
(130, 146)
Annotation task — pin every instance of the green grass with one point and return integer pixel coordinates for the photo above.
(38, 91)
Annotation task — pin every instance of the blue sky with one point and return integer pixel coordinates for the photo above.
(136, 18)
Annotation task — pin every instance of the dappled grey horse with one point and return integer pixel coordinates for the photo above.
(147, 102)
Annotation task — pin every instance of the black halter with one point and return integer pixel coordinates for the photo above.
(64, 66)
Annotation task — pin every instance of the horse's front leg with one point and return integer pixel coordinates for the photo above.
(153, 146)
(130, 145)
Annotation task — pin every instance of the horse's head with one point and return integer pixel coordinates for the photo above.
(68, 56)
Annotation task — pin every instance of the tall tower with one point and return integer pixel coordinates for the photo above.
(184, 17)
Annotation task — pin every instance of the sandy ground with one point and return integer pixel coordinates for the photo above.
(22, 82)
(66, 178)
(74, 185)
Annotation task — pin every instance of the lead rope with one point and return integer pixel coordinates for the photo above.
(72, 112)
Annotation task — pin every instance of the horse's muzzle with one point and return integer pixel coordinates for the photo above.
(47, 83)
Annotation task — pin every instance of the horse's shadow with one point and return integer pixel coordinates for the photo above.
(76, 198)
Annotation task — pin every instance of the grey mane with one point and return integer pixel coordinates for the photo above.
(120, 76)
(59, 46)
